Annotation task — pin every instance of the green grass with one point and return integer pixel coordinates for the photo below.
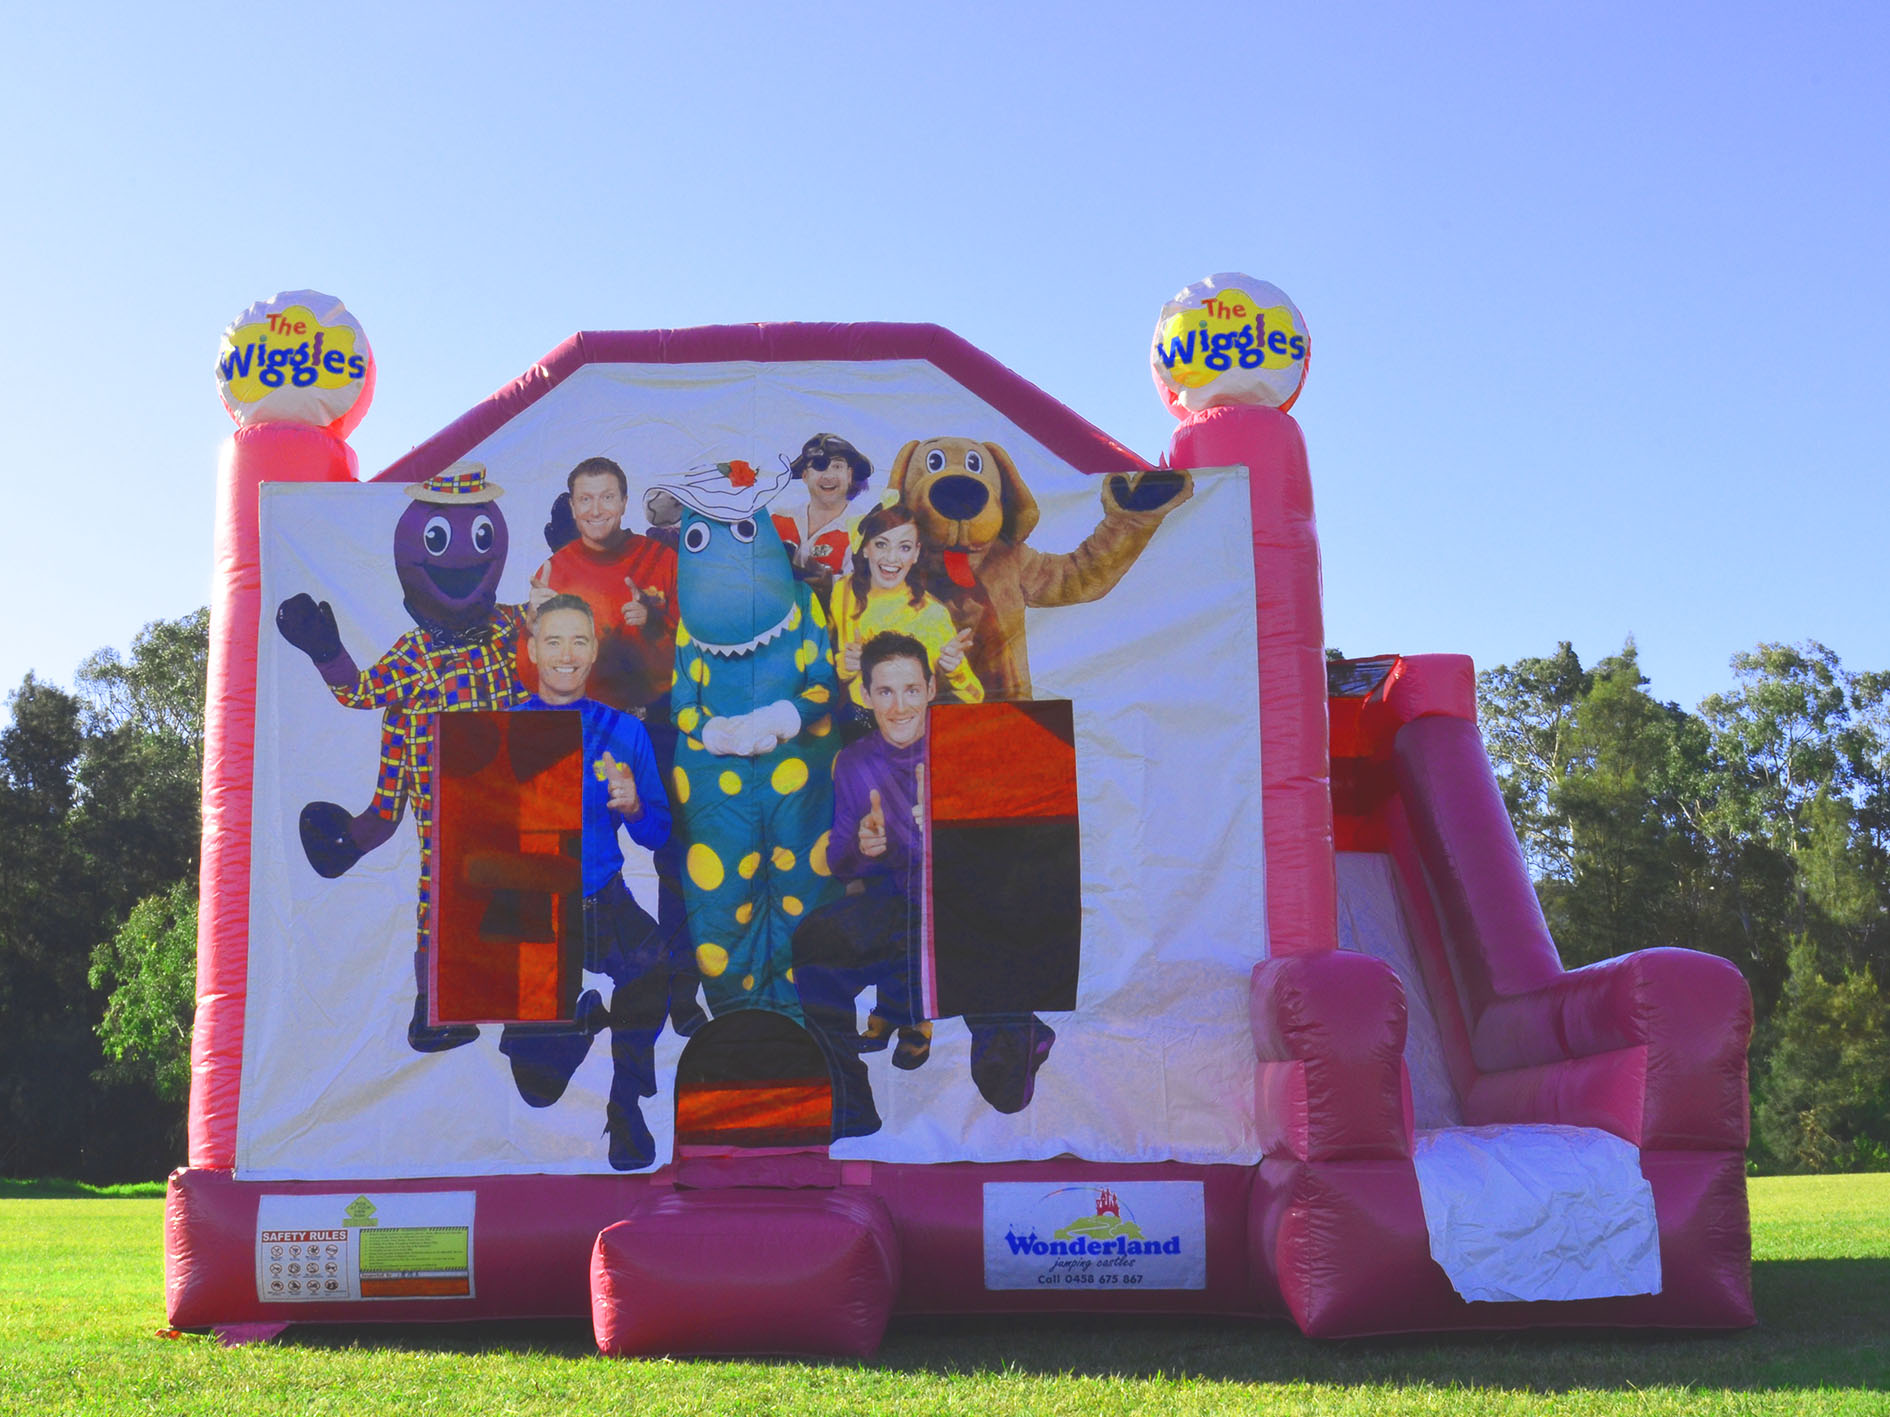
(81, 1304)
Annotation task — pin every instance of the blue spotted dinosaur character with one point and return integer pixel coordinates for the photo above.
(753, 701)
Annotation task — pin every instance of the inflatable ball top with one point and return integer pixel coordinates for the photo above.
(1229, 339)
(298, 357)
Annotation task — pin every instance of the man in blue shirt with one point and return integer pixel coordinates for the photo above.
(622, 789)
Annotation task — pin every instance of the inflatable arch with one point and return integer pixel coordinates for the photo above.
(958, 882)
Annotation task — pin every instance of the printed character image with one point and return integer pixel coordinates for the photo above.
(449, 551)
(870, 937)
(974, 515)
(664, 514)
(623, 789)
(754, 697)
(883, 594)
(816, 532)
(629, 582)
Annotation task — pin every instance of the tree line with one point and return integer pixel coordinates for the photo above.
(1756, 827)
(100, 791)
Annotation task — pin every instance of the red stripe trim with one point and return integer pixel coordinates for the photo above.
(1069, 436)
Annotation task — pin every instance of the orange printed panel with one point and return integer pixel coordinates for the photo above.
(450, 1287)
(755, 1114)
(1002, 760)
(508, 913)
(1004, 860)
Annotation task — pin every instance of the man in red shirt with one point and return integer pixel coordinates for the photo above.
(629, 582)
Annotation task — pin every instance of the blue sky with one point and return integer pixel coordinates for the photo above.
(1597, 292)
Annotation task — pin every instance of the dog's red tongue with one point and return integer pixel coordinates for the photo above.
(958, 567)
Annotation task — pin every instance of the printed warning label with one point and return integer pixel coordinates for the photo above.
(315, 1249)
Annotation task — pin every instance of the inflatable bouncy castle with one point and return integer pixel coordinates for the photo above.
(753, 830)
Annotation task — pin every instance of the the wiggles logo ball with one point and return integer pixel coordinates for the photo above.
(298, 358)
(1230, 339)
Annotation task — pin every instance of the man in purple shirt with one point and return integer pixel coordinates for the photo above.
(870, 938)
(623, 788)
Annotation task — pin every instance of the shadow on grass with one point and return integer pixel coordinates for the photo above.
(39, 1189)
(1821, 1323)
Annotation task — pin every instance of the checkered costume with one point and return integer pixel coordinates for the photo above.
(422, 675)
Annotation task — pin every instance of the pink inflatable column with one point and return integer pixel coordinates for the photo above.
(1229, 359)
(297, 375)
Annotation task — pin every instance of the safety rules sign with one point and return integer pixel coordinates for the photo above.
(364, 1246)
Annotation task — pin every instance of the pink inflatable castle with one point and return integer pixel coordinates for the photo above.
(754, 830)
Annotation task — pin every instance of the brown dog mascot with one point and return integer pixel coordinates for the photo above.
(974, 514)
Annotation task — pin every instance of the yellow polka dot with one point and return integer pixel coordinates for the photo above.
(811, 650)
(821, 726)
(744, 912)
(748, 981)
(672, 678)
(689, 718)
(705, 867)
(748, 865)
(816, 693)
(699, 670)
(694, 743)
(729, 782)
(711, 960)
(783, 859)
(805, 655)
(790, 976)
(820, 616)
(790, 775)
(682, 635)
(792, 904)
(817, 856)
(794, 618)
(681, 781)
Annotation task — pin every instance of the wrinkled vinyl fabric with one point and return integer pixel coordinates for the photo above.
(1538, 1212)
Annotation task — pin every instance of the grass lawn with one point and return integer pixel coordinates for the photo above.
(81, 1303)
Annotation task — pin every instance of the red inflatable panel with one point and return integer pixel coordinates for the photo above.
(746, 1271)
(1302, 894)
(258, 453)
(1349, 1249)
(1493, 923)
(1329, 1032)
(529, 1260)
(1072, 438)
(1678, 1020)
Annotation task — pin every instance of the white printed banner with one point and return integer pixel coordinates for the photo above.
(1160, 666)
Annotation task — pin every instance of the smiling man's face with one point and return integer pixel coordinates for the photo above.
(829, 483)
(564, 647)
(897, 697)
(597, 504)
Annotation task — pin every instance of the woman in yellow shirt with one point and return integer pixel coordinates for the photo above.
(881, 594)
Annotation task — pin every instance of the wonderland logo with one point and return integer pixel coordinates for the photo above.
(290, 347)
(1104, 1233)
(1227, 329)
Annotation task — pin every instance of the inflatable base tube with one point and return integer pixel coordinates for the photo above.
(746, 1271)
(534, 1236)
(1343, 1245)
